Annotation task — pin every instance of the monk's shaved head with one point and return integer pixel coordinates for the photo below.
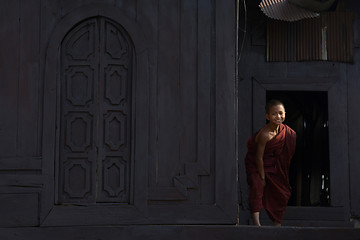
(271, 103)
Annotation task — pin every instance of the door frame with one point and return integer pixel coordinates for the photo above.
(338, 135)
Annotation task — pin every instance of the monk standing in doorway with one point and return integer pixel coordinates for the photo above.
(267, 165)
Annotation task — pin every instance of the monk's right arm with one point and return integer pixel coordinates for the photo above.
(259, 157)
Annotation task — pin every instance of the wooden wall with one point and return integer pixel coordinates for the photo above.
(183, 128)
(184, 143)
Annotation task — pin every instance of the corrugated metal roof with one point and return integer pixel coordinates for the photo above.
(284, 10)
(327, 38)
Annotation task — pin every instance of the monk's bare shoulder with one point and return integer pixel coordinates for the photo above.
(263, 136)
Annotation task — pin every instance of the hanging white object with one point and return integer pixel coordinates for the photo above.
(285, 10)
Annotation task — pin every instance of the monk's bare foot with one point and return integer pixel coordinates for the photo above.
(256, 218)
(277, 224)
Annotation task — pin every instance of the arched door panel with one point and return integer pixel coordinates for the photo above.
(95, 116)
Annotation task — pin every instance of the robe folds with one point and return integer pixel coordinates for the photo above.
(277, 156)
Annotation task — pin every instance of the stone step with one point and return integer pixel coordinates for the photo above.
(177, 232)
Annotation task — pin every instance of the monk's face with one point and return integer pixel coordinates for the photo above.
(276, 114)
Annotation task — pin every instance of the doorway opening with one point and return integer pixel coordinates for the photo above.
(307, 114)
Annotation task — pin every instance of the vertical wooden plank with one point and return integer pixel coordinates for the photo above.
(142, 86)
(258, 101)
(225, 153)
(338, 142)
(49, 16)
(9, 68)
(129, 6)
(188, 80)
(204, 87)
(245, 122)
(147, 16)
(51, 13)
(168, 100)
(28, 132)
(69, 5)
(354, 135)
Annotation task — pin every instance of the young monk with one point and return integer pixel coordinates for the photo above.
(267, 165)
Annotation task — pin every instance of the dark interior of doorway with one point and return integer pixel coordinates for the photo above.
(307, 114)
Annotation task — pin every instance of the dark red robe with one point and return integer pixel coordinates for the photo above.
(277, 156)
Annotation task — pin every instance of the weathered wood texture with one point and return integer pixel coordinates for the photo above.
(118, 112)
(20, 74)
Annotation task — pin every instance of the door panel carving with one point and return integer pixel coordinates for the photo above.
(115, 172)
(95, 160)
(115, 78)
(82, 41)
(115, 130)
(117, 46)
(78, 131)
(77, 178)
(79, 86)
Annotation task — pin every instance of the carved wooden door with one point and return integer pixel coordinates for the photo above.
(95, 162)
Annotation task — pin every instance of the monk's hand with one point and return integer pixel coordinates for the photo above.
(263, 181)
